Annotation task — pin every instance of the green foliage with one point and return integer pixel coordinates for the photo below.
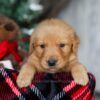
(18, 10)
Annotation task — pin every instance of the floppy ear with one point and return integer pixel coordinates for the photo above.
(31, 46)
(75, 43)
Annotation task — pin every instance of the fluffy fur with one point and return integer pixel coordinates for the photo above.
(9, 30)
(55, 39)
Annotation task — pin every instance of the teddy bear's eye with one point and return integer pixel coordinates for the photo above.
(61, 45)
(42, 45)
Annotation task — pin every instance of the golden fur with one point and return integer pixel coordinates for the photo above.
(53, 38)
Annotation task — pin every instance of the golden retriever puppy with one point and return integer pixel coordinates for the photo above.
(53, 48)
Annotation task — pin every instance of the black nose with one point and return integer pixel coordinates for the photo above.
(52, 62)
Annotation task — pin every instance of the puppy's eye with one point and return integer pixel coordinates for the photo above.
(42, 45)
(61, 45)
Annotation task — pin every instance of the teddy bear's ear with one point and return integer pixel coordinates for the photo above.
(75, 43)
(31, 46)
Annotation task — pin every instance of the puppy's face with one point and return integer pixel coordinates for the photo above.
(52, 46)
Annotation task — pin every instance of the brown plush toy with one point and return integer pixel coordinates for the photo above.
(9, 34)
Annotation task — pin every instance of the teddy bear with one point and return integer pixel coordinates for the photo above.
(9, 36)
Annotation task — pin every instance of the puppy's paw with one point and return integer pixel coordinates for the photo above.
(81, 78)
(23, 81)
(25, 76)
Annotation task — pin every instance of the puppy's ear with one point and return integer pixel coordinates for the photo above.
(31, 46)
(75, 43)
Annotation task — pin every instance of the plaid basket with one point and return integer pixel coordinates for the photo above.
(59, 86)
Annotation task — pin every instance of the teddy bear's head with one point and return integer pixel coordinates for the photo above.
(9, 30)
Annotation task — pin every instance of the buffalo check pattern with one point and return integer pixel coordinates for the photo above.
(59, 86)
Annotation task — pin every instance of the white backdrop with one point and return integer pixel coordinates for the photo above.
(84, 16)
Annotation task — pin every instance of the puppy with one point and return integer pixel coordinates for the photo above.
(53, 48)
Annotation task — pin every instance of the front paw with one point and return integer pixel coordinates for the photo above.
(81, 78)
(23, 81)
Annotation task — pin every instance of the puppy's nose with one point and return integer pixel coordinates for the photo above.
(52, 62)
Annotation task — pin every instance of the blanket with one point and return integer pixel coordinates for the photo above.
(58, 86)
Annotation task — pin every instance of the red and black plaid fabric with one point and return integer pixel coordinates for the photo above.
(59, 86)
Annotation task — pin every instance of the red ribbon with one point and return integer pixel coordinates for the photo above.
(7, 48)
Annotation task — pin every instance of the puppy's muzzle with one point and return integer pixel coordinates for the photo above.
(52, 62)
